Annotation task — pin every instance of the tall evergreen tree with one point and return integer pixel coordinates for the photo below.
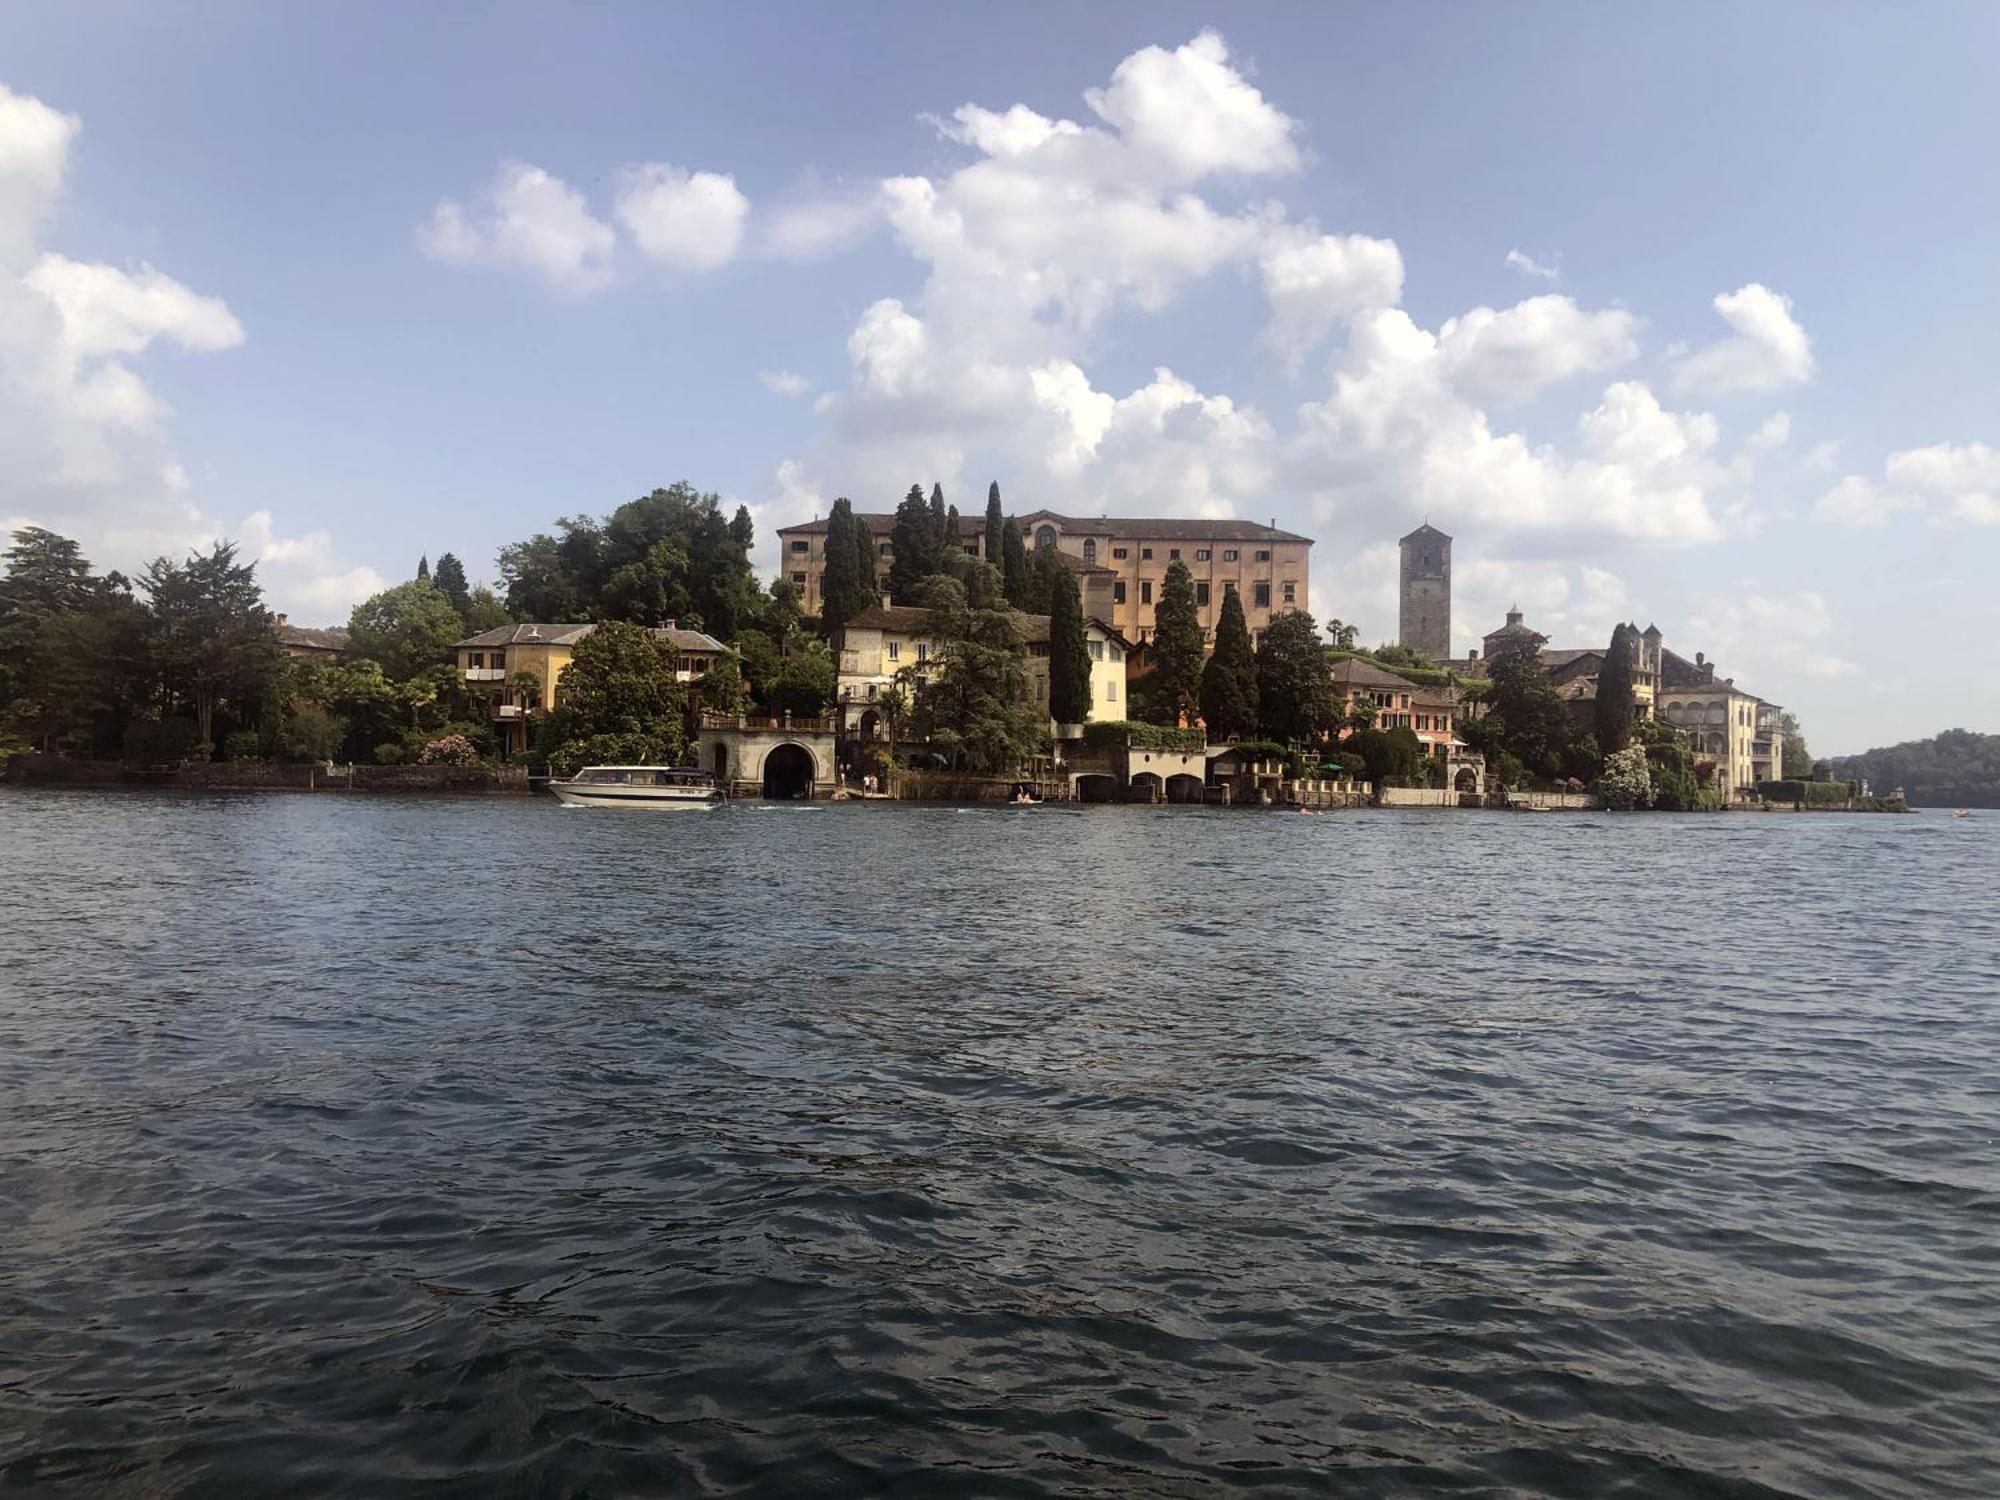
(1611, 714)
(1069, 654)
(847, 587)
(1229, 681)
(1013, 564)
(996, 523)
(954, 543)
(943, 536)
(1177, 648)
(1296, 701)
(915, 540)
(449, 577)
(424, 568)
(211, 633)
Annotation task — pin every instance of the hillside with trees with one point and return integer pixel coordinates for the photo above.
(1955, 769)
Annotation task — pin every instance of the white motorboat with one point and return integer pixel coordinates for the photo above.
(639, 786)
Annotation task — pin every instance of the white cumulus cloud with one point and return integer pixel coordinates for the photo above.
(688, 221)
(528, 220)
(1767, 351)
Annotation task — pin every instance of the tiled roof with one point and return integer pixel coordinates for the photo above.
(1351, 671)
(530, 635)
(334, 639)
(683, 639)
(880, 523)
(1139, 528)
(1426, 530)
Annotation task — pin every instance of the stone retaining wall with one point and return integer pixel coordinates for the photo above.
(259, 776)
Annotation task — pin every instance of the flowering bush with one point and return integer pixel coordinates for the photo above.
(1626, 782)
(452, 750)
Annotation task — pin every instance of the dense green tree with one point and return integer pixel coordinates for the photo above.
(450, 580)
(1615, 706)
(1013, 564)
(1525, 717)
(1954, 769)
(804, 684)
(424, 569)
(1046, 567)
(1296, 701)
(408, 629)
(1388, 756)
(942, 530)
(211, 635)
(1175, 691)
(1229, 681)
(915, 545)
(75, 664)
(1670, 766)
(996, 525)
(848, 584)
(722, 688)
(1069, 655)
(1342, 635)
(484, 611)
(977, 708)
(618, 691)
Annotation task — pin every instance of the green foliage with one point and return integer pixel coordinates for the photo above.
(1342, 635)
(722, 688)
(308, 731)
(1143, 736)
(1809, 793)
(760, 660)
(805, 682)
(1229, 681)
(848, 584)
(1296, 700)
(1389, 757)
(449, 577)
(1014, 566)
(484, 612)
(408, 629)
(1175, 688)
(976, 708)
(211, 635)
(619, 684)
(242, 745)
(629, 749)
(161, 741)
(1069, 655)
(1954, 769)
(1626, 783)
(1797, 758)
(1045, 570)
(1615, 705)
(1526, 717)
(996, 525)
(1676, 787)
(667, 555)
(915, 547)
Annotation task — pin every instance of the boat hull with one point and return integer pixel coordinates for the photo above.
(697, 799)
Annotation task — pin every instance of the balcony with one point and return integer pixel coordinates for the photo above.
(509, 711)
(485, 674)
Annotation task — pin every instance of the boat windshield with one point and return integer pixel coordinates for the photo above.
(641, 776)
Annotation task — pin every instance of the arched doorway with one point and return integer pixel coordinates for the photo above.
(1466, 781)
(1146, 787)
(1184, 788)
(871, 725)
(788, 772)
(1092, 787)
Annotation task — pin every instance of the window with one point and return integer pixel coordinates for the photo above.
(1045, 536)
(799, 579)
(1117, 652)
(1291, 593)
(1146, 591)
(895, 651)
(1200, 554)
(972, 551)
(1111, 691)
(1262, 595)
(801, 546)
(923, 651)
(1119, 554)
(882, 584)
(1096, 650)
(885, 549)
(1041, 690)
(1173, 554)
(1118, 592)
(1201, 592)
(1228, 587)
(1090, 549)
(1230, 554)
(1263, 555)
(1145, 554)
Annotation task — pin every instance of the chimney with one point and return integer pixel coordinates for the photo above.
(282, 618)
(669, 624)
(886, 601)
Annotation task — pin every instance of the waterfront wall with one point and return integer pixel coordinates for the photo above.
(259, 776)
(1562, 801)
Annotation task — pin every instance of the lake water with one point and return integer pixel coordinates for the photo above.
(466, 1147)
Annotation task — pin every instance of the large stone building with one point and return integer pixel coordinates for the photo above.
(1423, 612)
(1729, 729)
(1121, 562)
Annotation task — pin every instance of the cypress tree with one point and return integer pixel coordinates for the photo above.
(915, 539)
(1611, 714)
(449, 577)
(954, 544)
(424, 568)
(843, 594)
(995, 524)
(1069, 654)
(1229, 681)
(1013, 564)
(943, 538)
(1177, 647)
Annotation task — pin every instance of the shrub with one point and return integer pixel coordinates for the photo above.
(612, 750)
(1782, 791)
(1142, 736)
(159, 741)
(243, 744)
(1627, 783)
(451, 750)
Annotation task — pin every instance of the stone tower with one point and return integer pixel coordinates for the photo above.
(1423, 621)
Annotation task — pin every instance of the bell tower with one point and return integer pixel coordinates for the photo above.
(1423, 619)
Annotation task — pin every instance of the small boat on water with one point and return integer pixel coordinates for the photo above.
(639, 786)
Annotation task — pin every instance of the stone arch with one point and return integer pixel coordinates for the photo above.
(789, 771)
(1096, 786)
(1148, 787)
(1184, 787)
(1045, 535)
(1090, 549)
(871, 724)
(1467, 780)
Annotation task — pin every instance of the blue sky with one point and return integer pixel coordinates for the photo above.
(363, 282)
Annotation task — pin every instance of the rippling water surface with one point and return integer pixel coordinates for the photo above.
(413, 1147)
